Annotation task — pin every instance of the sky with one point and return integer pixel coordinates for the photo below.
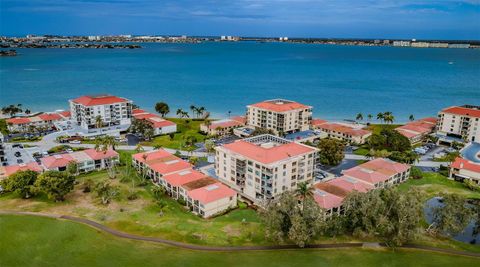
(420, 19)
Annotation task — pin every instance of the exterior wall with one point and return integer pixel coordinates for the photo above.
(166, 130)
(111, 114)
(217, 131)
(258, 181)
(25, 127)
(346, 137)
(212, 208)
(89, 165)
(464, 174)
(279, 122)
(465, 127)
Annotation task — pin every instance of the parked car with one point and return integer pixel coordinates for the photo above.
(18, 154)
(19, 161)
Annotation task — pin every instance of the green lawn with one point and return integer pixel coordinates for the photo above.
(185, 127)
(362, 151)
(34, 241)
(434, 183)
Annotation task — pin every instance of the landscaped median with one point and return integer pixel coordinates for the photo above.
(39, 241)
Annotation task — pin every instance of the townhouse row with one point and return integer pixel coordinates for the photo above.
(202, 194)
(44, 122)
(375, 174)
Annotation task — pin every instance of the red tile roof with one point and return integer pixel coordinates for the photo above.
(41, 117)
(33, 166)
(157, 121)
(268, 154)
(351, 184)
(56, 161)
(463, 111)
(343, 129)
(317, 122)
(211, 193)
(97, 155)
(151, 155)
(173, 164)
(225, 124)
(18, 120)
(464, 164)
(419, 127)
(99, 100)
(138, 111)
(180, 178)
(327, 200)
(50, 117)
(278, 105)
(65, 114)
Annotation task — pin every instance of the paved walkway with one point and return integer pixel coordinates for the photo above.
(231, 248)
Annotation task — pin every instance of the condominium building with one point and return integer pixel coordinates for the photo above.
(464, 169)
(222, 127)
(86, 160)
(159, 124)
(417, 130)
(347, 133)
(264, 166)
(111, 110)
(6, 171)
(279, 115)
(377, 173)
(202, 194)
(459, 122)
(41, 122)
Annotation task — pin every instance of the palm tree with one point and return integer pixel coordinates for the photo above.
(388, 118)
(200, 111)
(139, 148)
(411, 117)
(27, 111)
(380, 116)
(304, 190)
(179, 112)
(370, 116)
(359, 117)
(193, 109)
(98, 121)
(104, 143)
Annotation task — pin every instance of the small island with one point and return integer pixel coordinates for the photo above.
(8, 53)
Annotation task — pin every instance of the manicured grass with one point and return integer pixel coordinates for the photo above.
(432, 184)
(25, 140)
(185, 127)
(361, 151)
(34, 241)
(377, 128)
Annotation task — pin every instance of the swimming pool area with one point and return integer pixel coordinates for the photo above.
(471, 152)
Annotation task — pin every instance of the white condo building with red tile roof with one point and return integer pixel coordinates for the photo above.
(112, 110)
(280, 116)
(223, 127)
(86, 160)
(415, 131)
(461, 122)
(181, 181)
(6, 171)
(344, 132)
(377, 173)
(159, 124)
(265, 166)
(44, 121)
(462, 169)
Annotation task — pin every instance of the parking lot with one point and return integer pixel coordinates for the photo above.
(17, 154)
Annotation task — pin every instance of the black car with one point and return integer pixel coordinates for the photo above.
(18, 154)
(19, 161)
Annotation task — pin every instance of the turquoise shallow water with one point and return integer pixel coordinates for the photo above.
(339, 81)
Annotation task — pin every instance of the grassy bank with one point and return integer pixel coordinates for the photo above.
(185, 128)
(72, 244)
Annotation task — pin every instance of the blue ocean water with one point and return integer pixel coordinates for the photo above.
(339, 81)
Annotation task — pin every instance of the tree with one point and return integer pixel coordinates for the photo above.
(388, 214)
(12, 109)
(411, 117)
(55, 184)
(209, 145)
(193, 160)
(158, 192)
(98, 121)
(193, 109)
(105, 191)
(285, 219)
(390, 140)
(380, 116)
(404, 157)
(142, 127)
(359, 117)
(103, 143)
(72, 168)
(162, 108)
(370, 117)
(451, 216)
(27, 111)
(331, 151)
(260, 131)
(21, 182)
(304, 191)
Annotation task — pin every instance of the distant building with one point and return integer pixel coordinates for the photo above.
(41, 122)
(459, 123)
(419, 44)
(401, 43)
(458, 45)
(264, 166)
(86, 160)
(386, 42)
(438, 45)
(347, 133)
(283, 39)
(415, 131)
(279, 115)
(94, 38)
(2, 150)
(111, 111)
(223, 127)
(464, 169)
(159, 124)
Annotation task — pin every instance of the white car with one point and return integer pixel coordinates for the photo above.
(75, 142)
